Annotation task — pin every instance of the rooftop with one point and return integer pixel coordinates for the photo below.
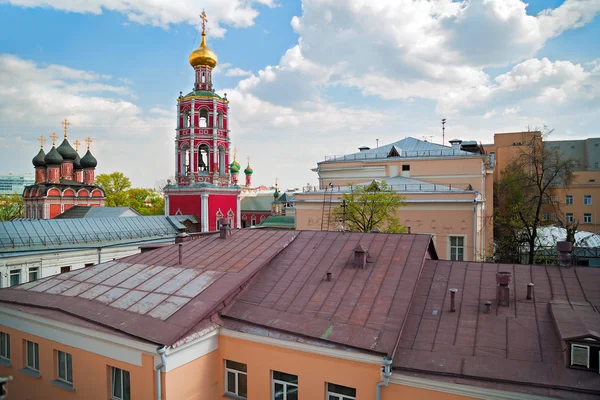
(257, 203)
(400, 184)
(280, 221)
(98, 212)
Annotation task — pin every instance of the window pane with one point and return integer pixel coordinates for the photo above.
(36, 352)
(69, 368)
(30, 354)
(126, 386)
(242, 385)
(460, 241)
(117, 388)
(282, 376)
(278, 395)
(231, 382)
(236, 365)
(339, 389)
(292, 393)
(61, 365)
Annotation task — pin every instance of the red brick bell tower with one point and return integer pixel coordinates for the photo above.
(203, 186)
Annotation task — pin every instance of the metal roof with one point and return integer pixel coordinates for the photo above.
(27, 235)
(98, 212)
(288, 221)
(401, 184)
(257, 203)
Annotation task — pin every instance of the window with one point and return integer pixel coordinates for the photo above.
(569, 217)
(580, 355)
(595, 165)
(569, 200)
(406, 167)
(64, 269)
(236, 380)
(32, 356)
(587, 218)
(546, 216)
(34, 274)
(65, 367)
(88, 265)
(285, 386)
(119, 384)
(339, 392)
(253, 221)
(15, 277)
(457, 248)
(587, 200)
(4, 346)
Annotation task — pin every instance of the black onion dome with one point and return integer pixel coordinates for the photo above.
(77, 162)
(53, 157)
(38, 161)
(67, 152)
(88, 160)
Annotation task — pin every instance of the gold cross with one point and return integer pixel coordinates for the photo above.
(204, 20)
(276, 181)
(76, 143)
(89, 142)
(66, 126)
(53, 137)
(234, 153)
(248, 160)
(42, 140)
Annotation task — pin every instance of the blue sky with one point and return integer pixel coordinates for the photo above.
(305, 78)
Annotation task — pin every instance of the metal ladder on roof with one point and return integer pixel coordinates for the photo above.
(326, 212)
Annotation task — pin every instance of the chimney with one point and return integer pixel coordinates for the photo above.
(453, 299)
(503, 279)
(455, 144)
(530, 291)
(564, 249)
(488, 307)
(180, 252)
(224, 225)
(329, 277)
(360, 256)
(181, 237)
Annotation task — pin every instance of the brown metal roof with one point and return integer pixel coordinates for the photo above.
(517, 344)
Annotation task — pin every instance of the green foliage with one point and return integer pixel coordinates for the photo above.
(369, 207)
(119, 193)
(11, 207)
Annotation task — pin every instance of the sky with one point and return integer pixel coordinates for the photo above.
(305, 78)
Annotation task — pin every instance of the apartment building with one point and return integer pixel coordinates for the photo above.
(283, 315)
(448, 191)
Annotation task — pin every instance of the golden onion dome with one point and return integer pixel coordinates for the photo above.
(203, 56)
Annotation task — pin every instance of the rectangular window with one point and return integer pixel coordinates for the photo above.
(406, 167)
(236, 380)
(4, 346)
(587, 200)
(89, 265)
(569, 217)
(595, 165)
(587, 218)
(119, 384)
(457, 248)
(546, 216)
(15, 277)
(580, 355)
(339, 392)
(65, 367)
(32, 355)
(569, 200)
(65, 269)
(34, 274)
(285, 386)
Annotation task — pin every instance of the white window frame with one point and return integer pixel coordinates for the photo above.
(284, 383)
(113, 371)
(237, 379)
(582, 346)
(338, 396)
(546, 216)
(569, 200)
(464, 247)
(68, 364)
(587, 218)
(4, 346)
(35, 270)
(36, 356)
(570, 217)
(14, 272)
(587, 197)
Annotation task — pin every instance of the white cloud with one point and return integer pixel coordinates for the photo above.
(163, 13)
(237, 72)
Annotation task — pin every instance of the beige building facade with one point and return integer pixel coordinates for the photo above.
(448, 191)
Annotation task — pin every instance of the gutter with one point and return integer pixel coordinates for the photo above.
(387, 373)
(163, 359)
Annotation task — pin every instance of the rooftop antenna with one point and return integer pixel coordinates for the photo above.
(443, 131)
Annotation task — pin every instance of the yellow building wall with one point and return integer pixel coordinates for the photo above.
(91, 374)
(196, 380)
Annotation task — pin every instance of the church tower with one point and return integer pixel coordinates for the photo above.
(203, 176)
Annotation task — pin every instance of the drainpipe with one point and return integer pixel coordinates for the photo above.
(474, 228)
(387, 373)
(163, 359)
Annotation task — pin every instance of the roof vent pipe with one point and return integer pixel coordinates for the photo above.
(328, 277)
(180, 252)
(530, 291)
(223, 226)
(360, 256)
(453, 300)
(488, 307)
(503, 278)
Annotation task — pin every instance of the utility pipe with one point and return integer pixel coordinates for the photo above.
(162, 350)
(474, 229)
(387, 373)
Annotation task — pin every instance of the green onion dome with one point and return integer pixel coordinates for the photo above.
(67, 152)
(248, 170)
(88, 160)
(77, 162)
(38, 161)
(53, 157)
(234, 167)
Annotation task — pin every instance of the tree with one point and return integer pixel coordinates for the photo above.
(371, 206)
(11, 207)
(115, 186)
(524, 190)
(145, 201)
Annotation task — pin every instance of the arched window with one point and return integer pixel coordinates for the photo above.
(220, 120)
(203, 161)
(184, 161)
(221, 161)
(187, 119)
(203, 77)
(253, 221)
(203, 118)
